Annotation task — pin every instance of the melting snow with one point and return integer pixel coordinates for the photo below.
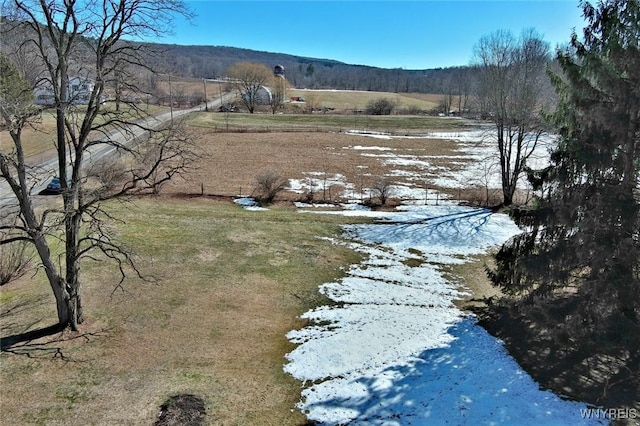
(395, 350)
(248, 203)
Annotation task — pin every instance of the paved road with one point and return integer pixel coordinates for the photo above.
(49, 168)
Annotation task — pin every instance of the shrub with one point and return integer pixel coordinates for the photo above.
(380, 106)
(269, 184)
(383, 189)
(14, 261)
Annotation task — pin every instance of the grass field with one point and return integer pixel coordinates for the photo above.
(348, 100)
(231, 284)
(392, 124)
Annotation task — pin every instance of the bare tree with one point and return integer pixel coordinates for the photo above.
(512, 74)
(383, 189)
(449, 94)
(81, 46)
(23, 56)
(462, 80)
(248, 81)
(487, 170)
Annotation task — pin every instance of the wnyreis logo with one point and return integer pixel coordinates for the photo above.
(610, 413)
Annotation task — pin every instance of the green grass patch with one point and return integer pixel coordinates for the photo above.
(358, 99)
(393, 124)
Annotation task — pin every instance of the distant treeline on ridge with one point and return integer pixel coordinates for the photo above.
(303, 72)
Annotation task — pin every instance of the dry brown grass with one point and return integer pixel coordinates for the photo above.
(38, 138)
(235, 159)
(232, 284)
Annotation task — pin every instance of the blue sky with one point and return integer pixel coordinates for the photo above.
(388, 34)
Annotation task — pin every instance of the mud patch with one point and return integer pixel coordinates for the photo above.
(183, 410)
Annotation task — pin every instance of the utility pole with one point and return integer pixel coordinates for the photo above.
(171, 99)
(206, 104)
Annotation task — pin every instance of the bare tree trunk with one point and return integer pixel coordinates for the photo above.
(81, 40)
(72, 229)
(56, 281)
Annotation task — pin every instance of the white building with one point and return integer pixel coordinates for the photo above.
(78, 90)
(262, 96)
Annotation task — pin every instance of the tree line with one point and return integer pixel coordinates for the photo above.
(303, 72)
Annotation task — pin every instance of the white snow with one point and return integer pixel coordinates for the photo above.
(394, 349)
(249, 203)
(369, 148)
(477, 147)
(317, 182)
(480, 146)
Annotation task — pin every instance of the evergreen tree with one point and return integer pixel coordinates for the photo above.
(16, 97)
(578, 261)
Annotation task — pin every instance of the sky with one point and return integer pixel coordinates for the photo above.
(409, 34)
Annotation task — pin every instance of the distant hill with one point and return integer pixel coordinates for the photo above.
(304, 72)
(301, 72)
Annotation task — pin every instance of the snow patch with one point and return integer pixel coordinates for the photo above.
(249, 203)
(396, 351)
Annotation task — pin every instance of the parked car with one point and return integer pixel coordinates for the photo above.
(54, 187)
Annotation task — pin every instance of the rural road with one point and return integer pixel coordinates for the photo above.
(47, 169)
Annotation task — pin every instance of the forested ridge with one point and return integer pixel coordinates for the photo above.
(304, 72)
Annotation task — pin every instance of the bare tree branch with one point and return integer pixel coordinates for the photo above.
(81, 48)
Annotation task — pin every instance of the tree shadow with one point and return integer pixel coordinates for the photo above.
(13, 319)
(29, 344)
(471, 381)
(10, 343)
(605, 374)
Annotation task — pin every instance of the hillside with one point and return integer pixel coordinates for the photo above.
(304, 72)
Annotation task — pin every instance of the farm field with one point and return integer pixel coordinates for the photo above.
(38, 139)
(340, 100)
(392, 124)
(235, 159)
(230, 284)
(346, 100)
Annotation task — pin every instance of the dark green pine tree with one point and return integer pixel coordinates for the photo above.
(577, 265)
